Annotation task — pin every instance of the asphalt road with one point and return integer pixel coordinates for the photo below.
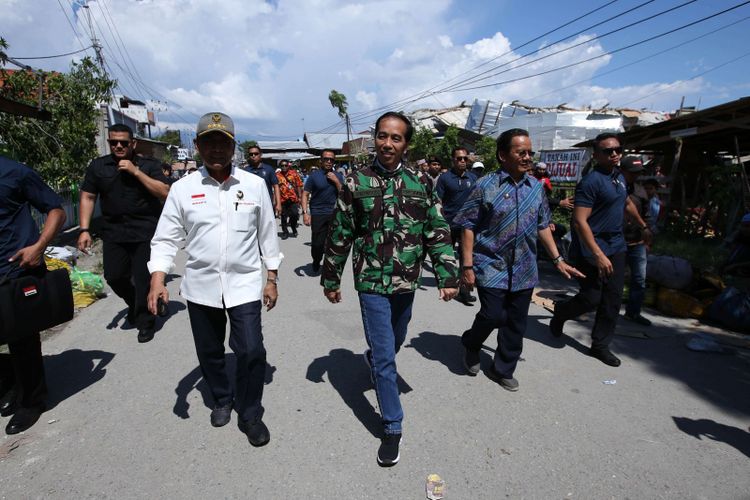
(129, 420)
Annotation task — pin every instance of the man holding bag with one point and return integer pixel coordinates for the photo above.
(22, 382)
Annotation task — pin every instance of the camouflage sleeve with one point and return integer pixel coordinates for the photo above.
(437, 237)
(339, 240)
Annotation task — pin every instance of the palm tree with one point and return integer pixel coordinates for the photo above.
(338, 101)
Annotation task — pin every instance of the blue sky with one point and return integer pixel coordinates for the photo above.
(271, 65)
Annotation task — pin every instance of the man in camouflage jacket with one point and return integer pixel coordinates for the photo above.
(387, 212)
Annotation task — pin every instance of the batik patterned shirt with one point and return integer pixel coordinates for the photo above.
(505, 217)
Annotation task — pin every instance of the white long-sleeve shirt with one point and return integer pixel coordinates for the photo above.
(228, 228)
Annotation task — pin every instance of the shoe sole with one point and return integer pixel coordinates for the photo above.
(499, 381)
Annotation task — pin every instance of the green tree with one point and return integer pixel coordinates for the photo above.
(446, 144)
(170, 137)
(422, 144)
(59, 149)
(486, 150)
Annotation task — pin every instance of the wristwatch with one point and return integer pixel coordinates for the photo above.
(558, 259)
(275, 280)
(467, 268)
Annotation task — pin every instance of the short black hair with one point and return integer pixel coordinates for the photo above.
(329, 151)
(651, 182)
(604, 136)
(503, 140)
(254, 146)
(121, 127)
(399, 116)
(434, 159)
(458, 148)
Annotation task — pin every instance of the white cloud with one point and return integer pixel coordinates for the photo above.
(270, 64)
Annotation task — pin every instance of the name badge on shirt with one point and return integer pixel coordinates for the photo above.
(198, 199)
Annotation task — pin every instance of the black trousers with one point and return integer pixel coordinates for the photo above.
(289, 216)
(245, 340)
(601, 294)
(319, 225)
(23, 370)
(507, 311)
(127, 274)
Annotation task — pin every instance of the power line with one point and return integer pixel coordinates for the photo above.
(661, 91)
(566, 66)
(426, 93)
(57, 55)
(75, 32)
(650, 56)
(461, 86)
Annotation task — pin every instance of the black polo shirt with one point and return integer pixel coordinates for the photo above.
(20, 189)
(129, 211)
(268, 174)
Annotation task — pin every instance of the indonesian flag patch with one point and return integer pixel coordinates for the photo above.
(29, 291)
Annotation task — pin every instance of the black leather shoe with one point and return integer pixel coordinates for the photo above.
(605, 356)
(220, 415)
(257, 432)
(22, 420)
(145, 335)
(8, 403)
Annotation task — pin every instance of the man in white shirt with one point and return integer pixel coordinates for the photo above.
(222, 208)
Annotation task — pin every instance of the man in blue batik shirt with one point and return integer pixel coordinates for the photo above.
(504, 214)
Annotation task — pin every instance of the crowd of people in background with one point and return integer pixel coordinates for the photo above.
(480, 230)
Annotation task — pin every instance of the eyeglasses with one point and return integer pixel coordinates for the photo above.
(461, 158)
(523, 153)
(609, 151)
(123, 142)
(326, 159)
(254, 154)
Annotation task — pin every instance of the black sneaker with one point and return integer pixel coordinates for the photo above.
(368, 361)
(257, 432)
(316, 267)
(471, 362)
(388, 454)
(221, 415)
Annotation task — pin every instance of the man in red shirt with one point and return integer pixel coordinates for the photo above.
(290, 191)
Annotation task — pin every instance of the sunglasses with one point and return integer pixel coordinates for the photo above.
(114, 142)
(254, 154)
(461, 158)
(523, 153)
(609, 151)
(325, 159)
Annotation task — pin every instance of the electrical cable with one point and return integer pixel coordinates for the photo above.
(57, 55)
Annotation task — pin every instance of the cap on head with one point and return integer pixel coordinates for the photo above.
(421, 162)
(477, 164)
(215, 122)
(541, 166)
(631, 164)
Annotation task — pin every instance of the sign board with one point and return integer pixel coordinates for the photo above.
(564, 165)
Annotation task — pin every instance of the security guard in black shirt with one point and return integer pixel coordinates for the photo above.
(132, 190)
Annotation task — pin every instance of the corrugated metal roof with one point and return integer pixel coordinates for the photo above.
(283, 145)
(329, 141)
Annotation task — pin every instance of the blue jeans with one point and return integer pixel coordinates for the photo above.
(637, 260)
(385, 319)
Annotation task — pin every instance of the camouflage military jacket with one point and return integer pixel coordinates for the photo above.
(392, 220)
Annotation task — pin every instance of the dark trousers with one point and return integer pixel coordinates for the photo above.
(127, 274)
(289, 216)
(601, 294)
(245, 340)
(507, 311)
(23, 370)
(319, 225)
